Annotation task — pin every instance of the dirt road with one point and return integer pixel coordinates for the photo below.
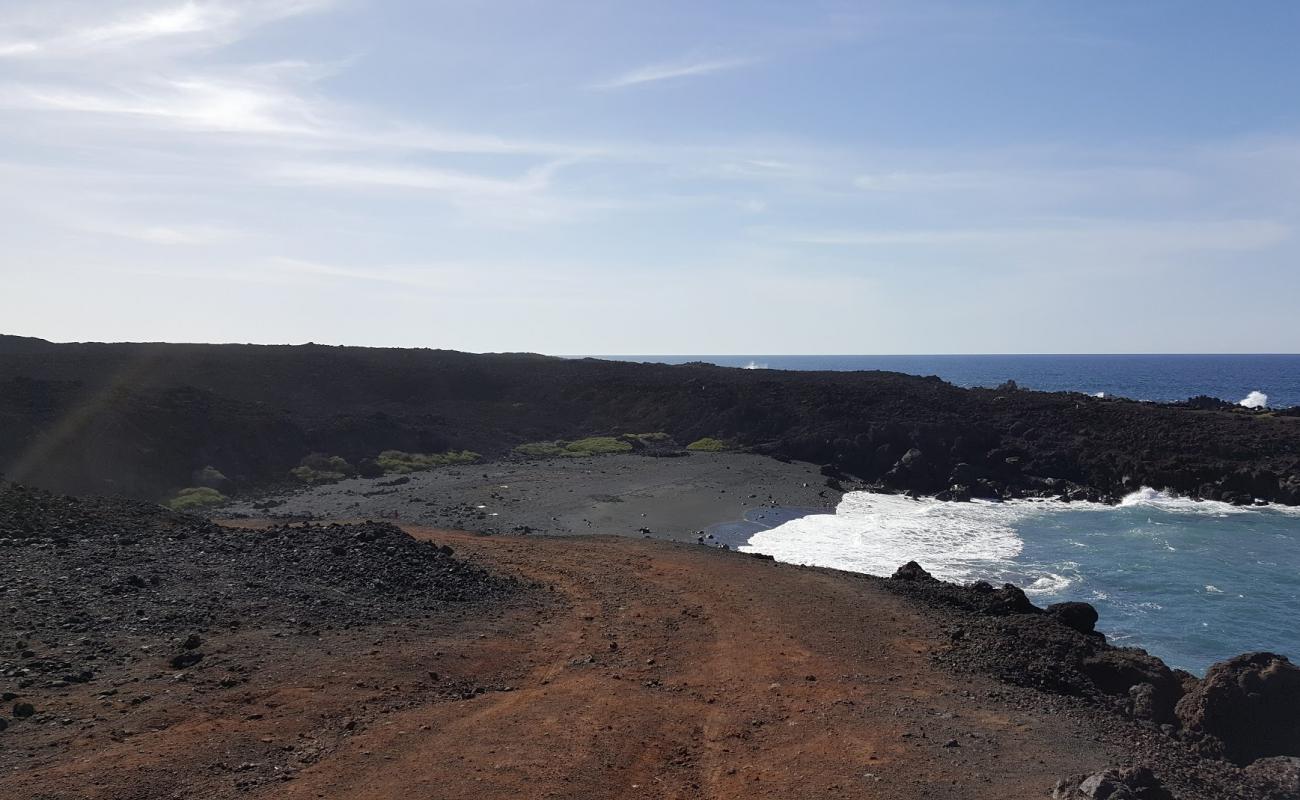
(635, 669)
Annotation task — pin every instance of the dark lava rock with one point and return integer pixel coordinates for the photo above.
(1250, 704)
(911, 571)
(145, 572)
(1152, 687)
(1080, 616)
(23, 710)
(1135, 783)
(1279, 775)
(1010, 599)
(4, 724)
(187, 659)
(1007, 636)
(261, 408)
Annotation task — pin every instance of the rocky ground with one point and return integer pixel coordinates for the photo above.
(153, 655)
(633, 495)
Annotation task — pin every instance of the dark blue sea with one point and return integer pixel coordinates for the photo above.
(1191, 582)
(1160, 378)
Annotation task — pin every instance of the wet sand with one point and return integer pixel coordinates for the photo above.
(626, 495)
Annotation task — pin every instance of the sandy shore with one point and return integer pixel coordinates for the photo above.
(626, 495)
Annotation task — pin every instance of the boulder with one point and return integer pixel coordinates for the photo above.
(911, 571)
(1250, 704)
(1010, 599)
(1153, 688)
(1134, 783)
(1080, 616)
(1279, 775)
(964, 473)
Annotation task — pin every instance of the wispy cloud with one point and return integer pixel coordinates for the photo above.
(409, 177)
(672, 70)
(202, 23)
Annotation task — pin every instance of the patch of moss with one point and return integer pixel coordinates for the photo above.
(543, 450)
(708, 445)
(321, 468)
(400, 463)
(598, 445)
(590, 446)
(194, 498)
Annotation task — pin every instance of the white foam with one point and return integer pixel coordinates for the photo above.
(1051, 583)
(1255, 399)
(755, 365)
(875, 533)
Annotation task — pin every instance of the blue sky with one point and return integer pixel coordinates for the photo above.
(667, 177)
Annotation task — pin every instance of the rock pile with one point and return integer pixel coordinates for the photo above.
(91, 586)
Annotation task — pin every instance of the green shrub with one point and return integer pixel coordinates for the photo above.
(598, 445)
(322, 468)
(708, 445)
(196, 497)
(590, 446)
(542, 450)
(400, 463)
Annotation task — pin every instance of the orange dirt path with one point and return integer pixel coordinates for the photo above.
(635, 669)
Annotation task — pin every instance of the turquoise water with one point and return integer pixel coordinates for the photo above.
(1193, 583)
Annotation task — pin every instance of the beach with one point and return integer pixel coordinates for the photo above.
(677, 499)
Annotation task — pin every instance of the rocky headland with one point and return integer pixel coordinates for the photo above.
(146, 419)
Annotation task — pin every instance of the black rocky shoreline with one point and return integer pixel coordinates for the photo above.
(1233, 733)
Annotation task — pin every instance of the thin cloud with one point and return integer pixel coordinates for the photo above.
(206, 24)
(669, 71)
(404, 177)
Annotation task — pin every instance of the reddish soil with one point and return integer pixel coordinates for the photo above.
(635, 669)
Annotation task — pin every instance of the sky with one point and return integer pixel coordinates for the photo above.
(657, 177)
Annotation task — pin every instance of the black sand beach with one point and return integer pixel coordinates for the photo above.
(628, 495)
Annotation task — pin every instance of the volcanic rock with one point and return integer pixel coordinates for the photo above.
(1250, 704)
(1134, 783)
(1080, 616)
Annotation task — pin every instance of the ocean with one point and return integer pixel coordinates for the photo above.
(1191, 582)
(1267, 379)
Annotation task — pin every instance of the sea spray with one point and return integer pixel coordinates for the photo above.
(1255, 399)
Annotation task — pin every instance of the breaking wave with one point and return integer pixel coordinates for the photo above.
(1255, 399)
(1157, 565)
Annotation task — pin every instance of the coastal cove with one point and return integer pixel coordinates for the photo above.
(1191, 582)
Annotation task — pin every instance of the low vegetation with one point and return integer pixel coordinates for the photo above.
(708, 445)
(598, 445)
(542, 450)
(590, 446)
(196, 497)
(320, 468)
(396, 462)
